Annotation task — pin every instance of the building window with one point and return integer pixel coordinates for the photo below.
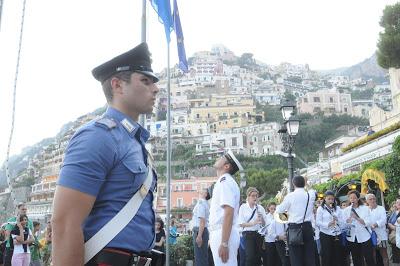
(317, 99)
(331, 99)
(305, 100)
(197, 115)
(234, 142)
(179, 202)
(345, 109)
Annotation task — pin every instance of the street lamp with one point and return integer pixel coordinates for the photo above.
(287, 133)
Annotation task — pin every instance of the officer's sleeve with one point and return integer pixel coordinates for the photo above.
(90, 155)
(201, 211)
(227, 194)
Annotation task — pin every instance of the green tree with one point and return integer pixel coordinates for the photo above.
(289, 96)
(267, 182)
(362, 95)
(247, 61)
(388, 53)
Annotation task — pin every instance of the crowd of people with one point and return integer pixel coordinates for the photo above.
(356, 231)
(23, 243)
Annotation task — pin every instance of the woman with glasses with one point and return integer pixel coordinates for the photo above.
(327, 219)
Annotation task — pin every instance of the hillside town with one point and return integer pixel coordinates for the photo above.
(217, 106)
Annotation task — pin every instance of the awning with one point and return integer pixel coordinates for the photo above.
(377, 176)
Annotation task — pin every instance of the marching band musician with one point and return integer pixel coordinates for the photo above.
(276, 235)
(328, 217)
(299, 206)
(358, 218)
(251, 217)
(378, 217)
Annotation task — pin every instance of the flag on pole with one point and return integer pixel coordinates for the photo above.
(163, 9)
(183, 64)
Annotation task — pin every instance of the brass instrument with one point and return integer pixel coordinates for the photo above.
(282, 218)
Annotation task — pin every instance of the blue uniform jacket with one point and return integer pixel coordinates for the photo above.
(106, 158)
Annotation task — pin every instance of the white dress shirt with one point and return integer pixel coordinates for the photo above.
(323, 219)
(201, 210)
(357, 229)
(275, 229)
(226, 192)
(295, 204)
(378, 216)
(245, 213)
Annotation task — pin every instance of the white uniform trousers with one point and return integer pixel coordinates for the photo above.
(215, 242)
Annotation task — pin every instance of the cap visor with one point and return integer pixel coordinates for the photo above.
(149, 74)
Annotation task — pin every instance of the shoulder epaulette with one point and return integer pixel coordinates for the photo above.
(108, 122)
(222, 179)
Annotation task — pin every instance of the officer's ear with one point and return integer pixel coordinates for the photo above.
(116, 85)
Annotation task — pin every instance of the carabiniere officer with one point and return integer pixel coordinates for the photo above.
(105, 165)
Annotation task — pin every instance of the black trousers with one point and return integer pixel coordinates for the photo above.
(280, 249)
(361, 251)
(8, 252)
(332, 252)
(270, 255)
(303, 255)
(252, 248)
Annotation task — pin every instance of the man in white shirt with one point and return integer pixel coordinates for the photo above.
(251, 218)
(201, 212)
(224, 233)
(378, 219)
(299, 206)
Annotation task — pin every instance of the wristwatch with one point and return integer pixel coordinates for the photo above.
(224, 244)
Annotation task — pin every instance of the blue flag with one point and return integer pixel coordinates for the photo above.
(183, 64)
(163, 9)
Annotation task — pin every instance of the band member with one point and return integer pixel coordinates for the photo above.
(251, 217)
(278, 254)
(224, 208)
(358, 219)
(200, 232)
(299, 206)
(378, 218)
(328, 217)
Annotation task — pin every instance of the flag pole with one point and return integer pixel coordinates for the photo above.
(142, 117)
(167, 250)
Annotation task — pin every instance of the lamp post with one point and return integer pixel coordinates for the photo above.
(287, 134)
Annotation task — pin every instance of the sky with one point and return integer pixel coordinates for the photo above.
(64, 40)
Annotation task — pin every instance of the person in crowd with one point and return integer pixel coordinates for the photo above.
(201, 213)
(2, 245)
(328, 217)
(173, 232)
(11, 222)
(378, 219)
(357, 217)
(21, 237)
(316, 235)
(106, 164)
(395, 258)
(224, 208)
(299, 206)
(344, 204)
(48, 244)
(251, 217)
(36, 259)
(275, 238)
(158, 259)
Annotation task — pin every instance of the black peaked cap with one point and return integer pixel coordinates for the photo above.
(136, 60)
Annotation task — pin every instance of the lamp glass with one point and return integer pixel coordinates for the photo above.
(287, 111)
(292, 127)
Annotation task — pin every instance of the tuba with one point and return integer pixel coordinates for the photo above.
(282, 218)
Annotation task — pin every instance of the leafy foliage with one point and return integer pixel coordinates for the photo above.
(267, 182)
(388, 53)
(362, 95)
(182, 251)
